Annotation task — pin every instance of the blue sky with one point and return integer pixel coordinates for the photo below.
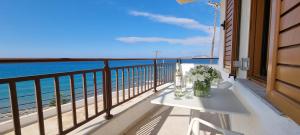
(104, 28)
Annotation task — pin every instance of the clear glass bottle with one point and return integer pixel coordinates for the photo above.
(178, 81)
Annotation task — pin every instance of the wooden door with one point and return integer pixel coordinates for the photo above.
(283, 81)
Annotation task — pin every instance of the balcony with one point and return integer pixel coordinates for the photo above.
(115, 99)
(102, 91)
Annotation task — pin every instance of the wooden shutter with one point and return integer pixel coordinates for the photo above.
(283, 86)
(231, 35)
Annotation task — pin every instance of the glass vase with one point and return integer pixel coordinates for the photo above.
(201, 89)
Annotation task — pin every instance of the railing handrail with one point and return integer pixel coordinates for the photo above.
(33, 60)
(43, 76)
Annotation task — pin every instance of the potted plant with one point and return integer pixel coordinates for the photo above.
(202, 77)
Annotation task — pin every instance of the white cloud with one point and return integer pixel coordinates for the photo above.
(182, 22)
(184, 41)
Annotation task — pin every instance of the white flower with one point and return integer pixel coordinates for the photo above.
(202, 73)
(199, 77)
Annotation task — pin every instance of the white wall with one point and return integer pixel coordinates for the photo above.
(244, 34)
(263, 119)
(221, 47)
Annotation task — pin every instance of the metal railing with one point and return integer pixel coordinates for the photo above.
(117, 85)
(128, 82)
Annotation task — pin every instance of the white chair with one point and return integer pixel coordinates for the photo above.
(224, 131)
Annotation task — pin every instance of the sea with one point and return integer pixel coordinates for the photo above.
(25, 90)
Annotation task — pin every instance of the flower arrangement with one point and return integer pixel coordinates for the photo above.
(202, 77)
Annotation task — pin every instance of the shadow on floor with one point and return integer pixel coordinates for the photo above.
(152, 125)
(170, 120)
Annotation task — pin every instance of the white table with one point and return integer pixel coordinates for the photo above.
(221, 101)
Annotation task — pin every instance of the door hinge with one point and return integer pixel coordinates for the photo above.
(242, 64)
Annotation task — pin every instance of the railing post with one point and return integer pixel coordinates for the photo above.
(84, 91)
(15, 107)
(39, 106)
(73, 99)
(107, 90)
(155, 75)
(58, 105)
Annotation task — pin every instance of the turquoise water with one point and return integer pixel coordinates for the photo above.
(25, 90)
